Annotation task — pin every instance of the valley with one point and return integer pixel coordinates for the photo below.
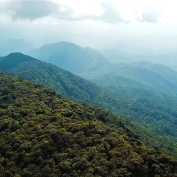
(43, 134)
(141, 95)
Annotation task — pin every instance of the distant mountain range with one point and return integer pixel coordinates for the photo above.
(69, 56)
(166, 57)
(77, 59)
(138, 100)
(140, 74)
(64, 82)
(44, 135)
(142, 91)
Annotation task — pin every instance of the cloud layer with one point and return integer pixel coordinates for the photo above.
(100, 10)
(29, 9)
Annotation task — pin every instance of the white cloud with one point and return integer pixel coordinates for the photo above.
(28, 9)
(87, 22)
(109, 11)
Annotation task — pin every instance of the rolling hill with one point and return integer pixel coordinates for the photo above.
(145, 105)
(62, 81)
(118, 55)
(141, 74)
(168, 59)
(69, 56)
(45, 135)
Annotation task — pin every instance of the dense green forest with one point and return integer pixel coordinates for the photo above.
(148, 91)
(64, 82)
(44, 135)
(156, 111)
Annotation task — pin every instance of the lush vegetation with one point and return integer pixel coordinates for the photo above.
(44, 135)
(64, 82)
(147, 94)
(145, 106)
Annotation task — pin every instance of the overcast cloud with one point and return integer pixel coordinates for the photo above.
(28, 9)
(106, 11)
(95, 23)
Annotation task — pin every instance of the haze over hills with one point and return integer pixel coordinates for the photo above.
(77, 59)
(168, 59)
(140, 74)
(103, 104)
(66, 83)
(118, 55)
(142, 105)
(14, 45)
(69, 56)
(63, 53)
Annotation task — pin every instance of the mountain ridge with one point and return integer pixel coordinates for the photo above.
(69, 56)
(147, 109)
(43, 134)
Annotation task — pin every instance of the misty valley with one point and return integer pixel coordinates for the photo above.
(71, 111)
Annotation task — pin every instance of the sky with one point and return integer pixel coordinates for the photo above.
(151, 24)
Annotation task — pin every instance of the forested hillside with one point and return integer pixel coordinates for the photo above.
(45, 135)
(64, 82)
(145, 106)
(147, 93)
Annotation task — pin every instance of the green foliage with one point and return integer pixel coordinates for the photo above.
(73, 140)
(136, 96)
(64, 82)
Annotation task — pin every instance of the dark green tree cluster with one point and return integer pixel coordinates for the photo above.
(44, 135)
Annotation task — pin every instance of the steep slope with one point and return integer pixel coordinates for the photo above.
(69, 56)
(44, 135)
(144, 106)
(146, 92)
(138, 85)
(10, 62)
(68, 84)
